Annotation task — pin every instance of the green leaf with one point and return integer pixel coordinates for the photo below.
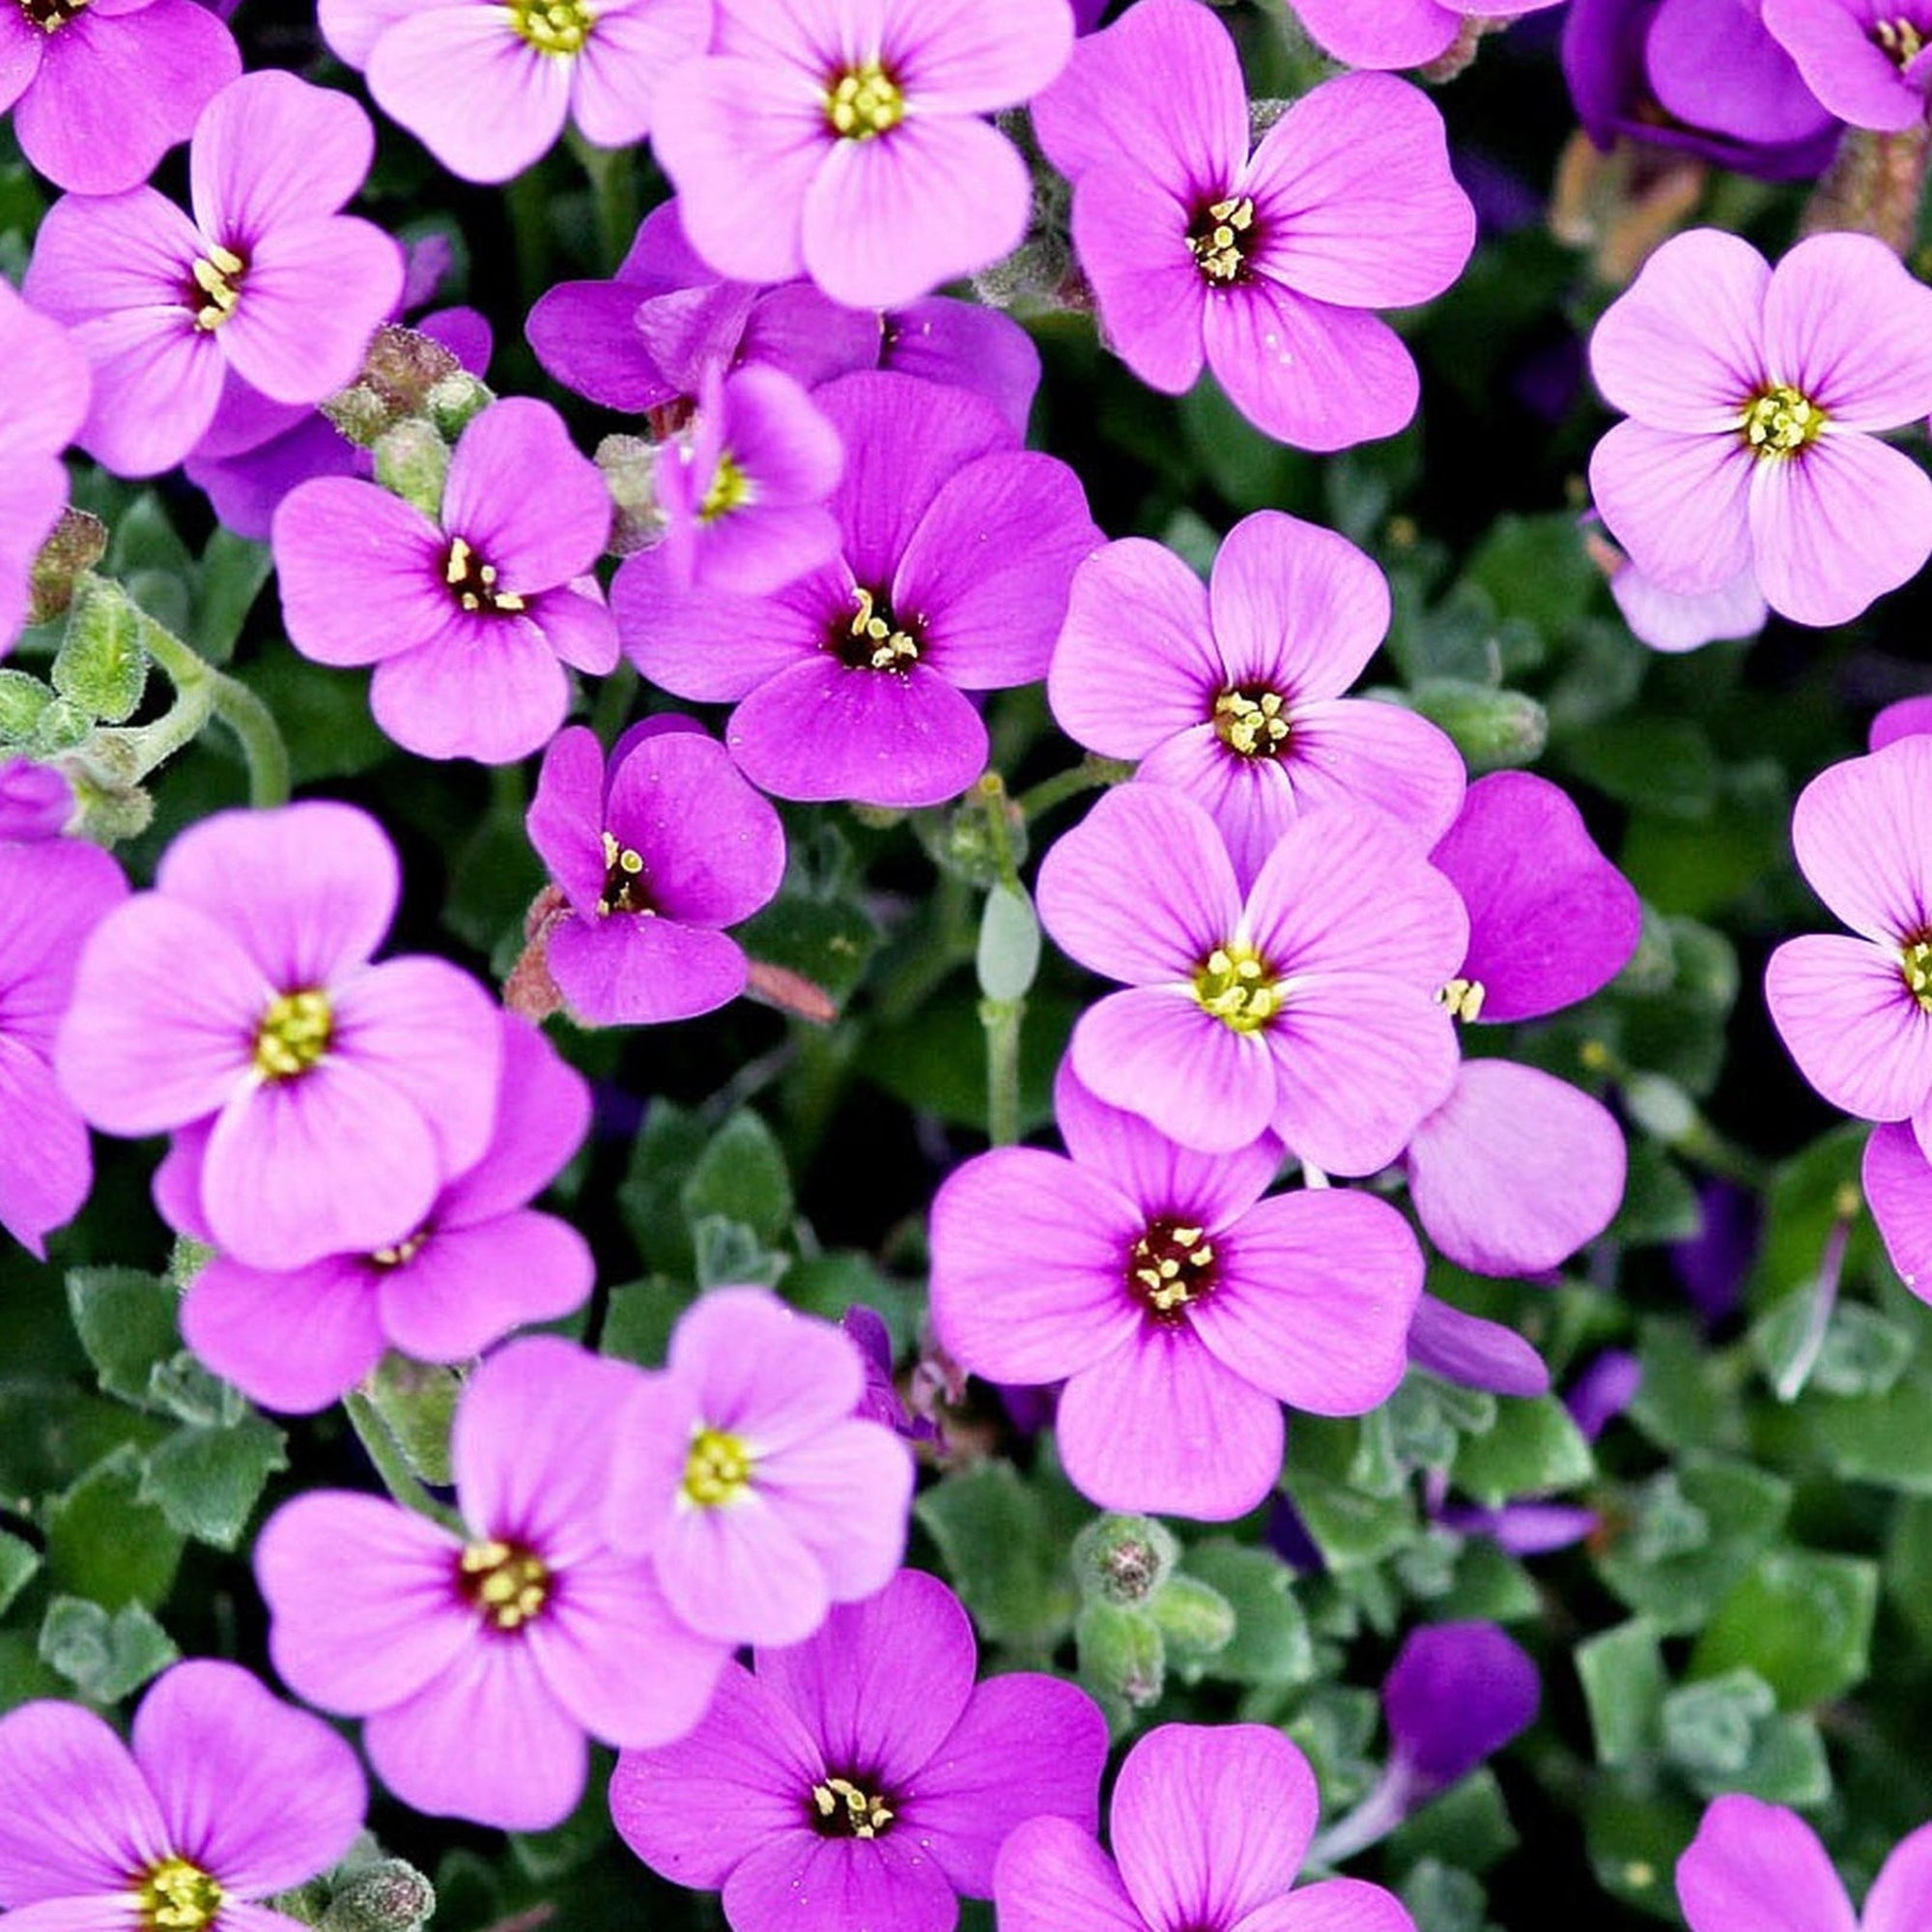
(416, 1403)
(227, 582)
(208, 1481)
(1195, 1619)
(1624, 1685)
(1885, 1439)
(18, 1563)
(664, 1153)
(1534, 1448)
(1270, 1643)
(338, 739)
(1786, 1765)
(23, 699)
(1861, 1352)
(1002, 1554)
(129, 1324)
(727, 1253)
(104, 1658)
(104, 1543)
(1444, 1898)
(1536, 568)
(642, 1316)
(1636, 1831)
(1008, 959)
(1802, 1621)
(1663, 764)
(102, 666)
(1349, 1528)
(1490, 1586)
(1469, 1823)
(742, 1175)
(1658, 1204)
(1710, 1727)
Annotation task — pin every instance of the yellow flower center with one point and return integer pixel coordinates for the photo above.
(472, 583)
(1916, 963)
(216, 277)
(1234, 984)
(50, 16)
(506, 1582)
(841, 1808)
(1901, 40)
(1781, 421)
(1252, 722)
(731, 490)
(1464, 998)
(403, 1253)
(863, 101)
(1220, 239)
(1170, 1267)
(552, 26)
(874, 639)
(295, 1034)
(718, 1469)
(624, 889)
(177, 1896)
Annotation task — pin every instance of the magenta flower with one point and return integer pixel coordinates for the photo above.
(44, 396)
(1308, 1005)
(226, 1797)
(1267, 265)
(1210, 1824)
(1754, 1865)
(101, 91)
(1864, 59)
(1517, 1169)
(877, 176)
(742, 1471)
(487, 88)
(35, 801)
(1237, 692)
(1752, 395)
(743, 490)
(269, 279)
(655, 856)
(1400, 32)
(468, 620)
(1855, 1012)
(480, 1265)
(861, 1779)
(58, 891)
(481, 1660)
(956, 551)
(1181, 1308)
(1472, 1350)
(338, 1094)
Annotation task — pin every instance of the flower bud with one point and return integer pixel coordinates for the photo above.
(385, 1897)
(1123, 1559)
(78, 543)
(413, 463)
(1195, 1622)
(1492, 729)
(1123, 1655)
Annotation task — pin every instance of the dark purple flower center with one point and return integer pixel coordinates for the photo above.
(1252, 721)
(176, 1895)
(857, 1807)
(215, 285)
(1222, 235)
(472, 583)
(1901, 39)
(50, 16)
(874, 639)
(1171, 1267)
(507, 1584)
(624, 887)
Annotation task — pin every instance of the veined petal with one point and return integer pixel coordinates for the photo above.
(1901, 1895)
(359, 572)
(1051, 1877)
(1130, 235)
(76, 1814)
(1850, 1021)
(292, 1340)
(271, 151)
(1677, 502)
(1862, 833)
(1848, 326)
(1897, 1181)
(1295, 606)
(1757, 1864)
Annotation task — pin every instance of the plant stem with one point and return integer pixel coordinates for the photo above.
(1002, 1020)
(613, 174)
(383, 1450)
(1089, 774)
(991, 792)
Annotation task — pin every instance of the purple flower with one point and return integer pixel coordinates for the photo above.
(876, 174)
(1905, 719)
(1267, 265)
(267, 280)
(1210, 1824)
(338, 1096)
(743, 490)
(1181, 1307)
(655, 857)
(1702, 75)
(1754, 1865)
(101, 91)
(58, 892)
(744, 1472)
(226, 1797)
(480, 1265)
(1308, 1005)
(1603, 1391)
(1752, 395)
(1668, 620)
(36, 802)
(958, 550)
(1235, 695)
(481, 1660)
(470, 620)
(1400, 32)
(1865, 60)
(1855, 1012)
(44, 396)
(1517, 1169)
(861, 1779)
(1479, 1354)
(487, 88)
(881, 1400)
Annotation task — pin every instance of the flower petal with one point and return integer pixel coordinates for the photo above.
(1051, 1877)
(1847, 324)
(1757, 1864)
(1677, 503)
(76, 1814)
(471, 1286)
(1847, 1017)
(293, 1340)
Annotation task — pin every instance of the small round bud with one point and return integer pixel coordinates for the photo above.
(385, 1897)
(1196, 1621)
(1123, 1559)
(1122, 1655)
(455, 401)
(413, 463)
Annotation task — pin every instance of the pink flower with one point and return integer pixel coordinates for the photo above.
(1753, 397)
(1400, 32)
(862, 130)
(45, 386)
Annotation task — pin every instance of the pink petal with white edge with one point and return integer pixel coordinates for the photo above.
(362, 1599)
(261, 1795)
(1847, 1017)
(1515, 1170)
(846, 1495)
(1295, 606)
(1332, 1905)
(1897, 1182)
(1136, 661)
(291, 1341)
(271, 151)
(1161, 1426)
(1354, 203)
(1678, 504)
(1211, 1821)
(1313, 1298)
(1758, 1864)
(1130, 236)
(1901, 1899)
(1311, 375)
(468, 1287)
(1142, 889)
(308, 889)
(1683, 349)
(1862, 833)
(1029, 1256)
(1837, 527)
(887, 220)
(1848, 326)
(359, 572)
(1051, 1877)
(973, 56)
(76, 1815)
(739, 1574)
(617, 74)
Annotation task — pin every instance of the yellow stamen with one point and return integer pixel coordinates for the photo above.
(552, 26)
(1220, 239)
(1253, 723)
(864, 101)
(731, 490)
(506, 1582)
(217, 275)
(624, 888)
(1234, 984)
(1917, 965)
(1464, 998)
(882, 645)
(472, 583)
(1901, 40)
(846, 1810)
(50, 16)
(1781, 421)
(717, 1469)
(1170, 1267)
(177, 1896)
(294, 1033)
